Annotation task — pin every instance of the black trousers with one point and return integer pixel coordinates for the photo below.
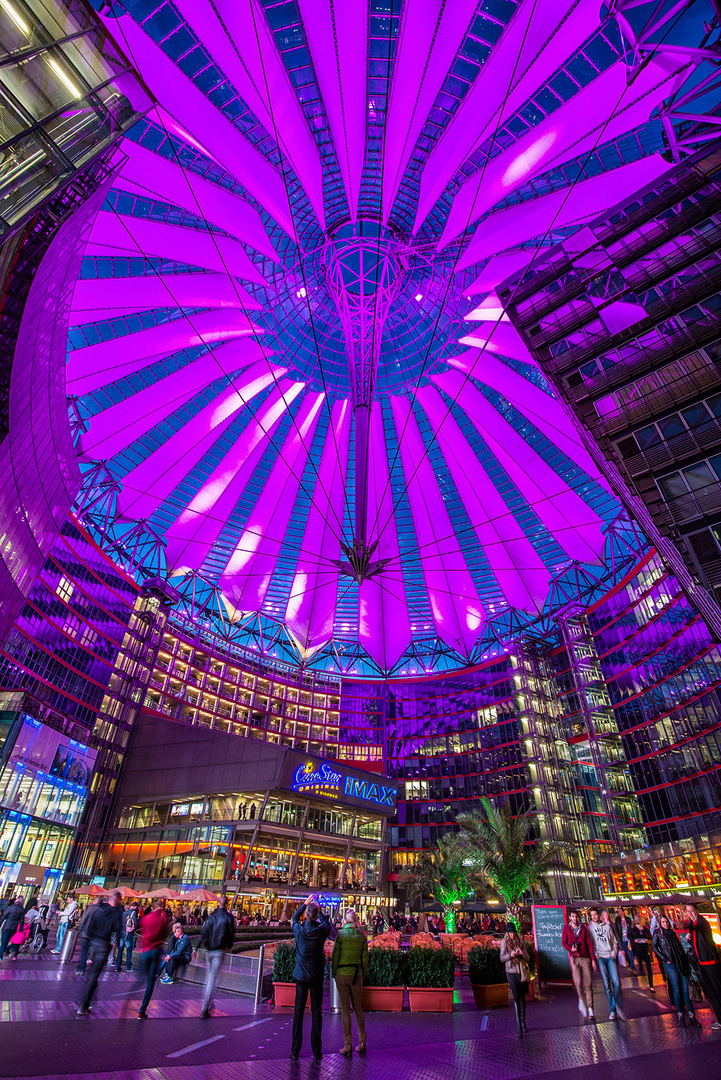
(518, 987)
(711, 982)
(644, 961)
(302, 989)
(99, 953)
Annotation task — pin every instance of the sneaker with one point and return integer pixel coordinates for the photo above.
(582, 1007)
(612, 1015)
(166, 980)
(651, 990)
(591, 1016)
(82, 1012)
(142, 1016)
(716, 1026)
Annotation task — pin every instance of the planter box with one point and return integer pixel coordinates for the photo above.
(491, 995)
(431, 999)
(383, 998)
(284, 996)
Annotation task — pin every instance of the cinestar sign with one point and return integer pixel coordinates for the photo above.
(322, 779)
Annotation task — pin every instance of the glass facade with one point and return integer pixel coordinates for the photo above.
(46, 768)
(66, 94)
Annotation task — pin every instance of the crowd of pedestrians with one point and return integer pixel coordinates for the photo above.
(688, 958)
(151, 940)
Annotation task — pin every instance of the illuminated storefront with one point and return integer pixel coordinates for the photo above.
(286, 825)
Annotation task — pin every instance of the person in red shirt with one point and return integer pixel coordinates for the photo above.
(153, 933)
(577, 942)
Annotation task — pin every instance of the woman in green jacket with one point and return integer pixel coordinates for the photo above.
(349, 965)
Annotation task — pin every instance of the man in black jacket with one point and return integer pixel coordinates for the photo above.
(13, 918)
(310, 937)
(706, 956)
(104, 921)
(218, 934)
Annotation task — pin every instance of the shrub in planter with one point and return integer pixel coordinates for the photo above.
(430, 974)
(488, 976)
(284, 962)
(283, 983)
(383, 987)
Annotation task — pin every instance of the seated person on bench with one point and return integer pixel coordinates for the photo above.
(179, 951)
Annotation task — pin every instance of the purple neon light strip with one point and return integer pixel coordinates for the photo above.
(245, 51)
(508, 228)
(311, 608)
(191, 536)
(383, 623)
(150, 174)
(564, 513)
(478, 115)
(430, 36)
(544, 411)
(104, 298)
(146, 486)
(518, 568)
(189, 105)
(116, 428)
(457, 611)
(97, 365)
(338, 38)
(573, 130)
(133, 236)
(249, 572)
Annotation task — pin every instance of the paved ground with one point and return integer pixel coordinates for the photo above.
(48, 1040)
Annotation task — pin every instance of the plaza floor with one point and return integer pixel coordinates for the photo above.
(41, 1036)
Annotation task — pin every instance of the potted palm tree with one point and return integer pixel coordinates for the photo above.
(384, 984)
(503, 854)
(430, 974)
(487, 976)
(445, 874)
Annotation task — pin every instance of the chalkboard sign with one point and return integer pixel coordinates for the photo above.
(553, 961)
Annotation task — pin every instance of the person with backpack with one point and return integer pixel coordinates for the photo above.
(126, 941)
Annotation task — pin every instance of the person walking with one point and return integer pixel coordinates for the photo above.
(672, 958)
(514, 954)
(706, 955)
(349, 964)
(218, 934)
(67, 921)
(126, 941)
(578, 943)
(640, 938)
(310, 935)
(605, 946)
(153, 930)
(83, 934)
(105, 920)
(623, 925)
(12, 921)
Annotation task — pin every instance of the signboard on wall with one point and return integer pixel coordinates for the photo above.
(554, 964)
(332, 780)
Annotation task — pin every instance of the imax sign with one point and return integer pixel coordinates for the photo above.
(370, 792)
